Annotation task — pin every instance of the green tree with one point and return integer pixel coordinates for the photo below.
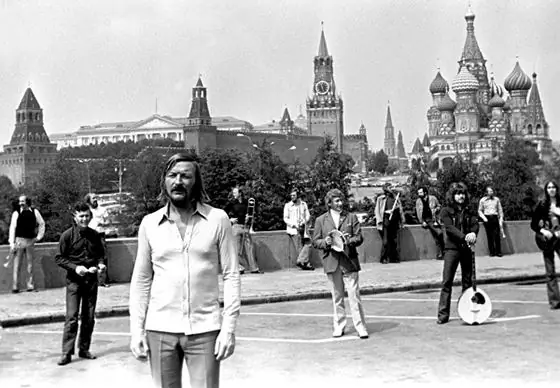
(378, 161)
(514, 178)
(8, 194)
(328, 170)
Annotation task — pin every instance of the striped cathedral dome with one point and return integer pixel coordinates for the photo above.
(464, 81)
(439, 84)
(496, 102)
(517, 80)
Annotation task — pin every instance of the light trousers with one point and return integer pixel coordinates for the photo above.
(167, 352)
(23, 246)
(338, 281)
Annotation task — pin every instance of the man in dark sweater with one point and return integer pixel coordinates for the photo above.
(460, 225)
(81, 255)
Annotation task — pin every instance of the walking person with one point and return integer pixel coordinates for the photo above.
(492, 215)
(427, 211)
(26, 228)
(341, 264)
(97, 223)
(174, 304)
(237, 211)
(296, 217)
(460, 225)
(389, 217)
(546, 222)
(81, 255)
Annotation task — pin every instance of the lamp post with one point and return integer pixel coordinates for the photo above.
(120, 170)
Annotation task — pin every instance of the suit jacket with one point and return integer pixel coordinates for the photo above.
(434, 207)
(380, 210)
(457, 223)
(348, 259)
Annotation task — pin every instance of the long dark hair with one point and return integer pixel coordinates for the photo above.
(198, 192)
(455, 188)
(547, 196)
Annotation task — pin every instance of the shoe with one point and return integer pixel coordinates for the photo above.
(307, 267)
(338, 333)
(384, 262)
(106, 285)
(499, 255)
(65, 359)
(555, 307)
(258, 271)
(15, 291)
(300, 265)
(31, 290)
(87, 355)
(442, 321)
(241, 272)
(363, 334)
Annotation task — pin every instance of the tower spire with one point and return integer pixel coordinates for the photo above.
(323, 52)
(388, 121)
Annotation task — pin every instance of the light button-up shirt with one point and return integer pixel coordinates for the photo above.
(174, 286)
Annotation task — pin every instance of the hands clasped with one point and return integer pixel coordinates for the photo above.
(82, 270)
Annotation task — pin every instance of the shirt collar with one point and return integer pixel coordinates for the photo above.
(201, 209)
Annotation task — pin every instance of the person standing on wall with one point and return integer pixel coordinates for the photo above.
(491, 212)
(97, 223)
(26, 228)
(427, 210)
(296, 217)
(237, 211)
(389, 217)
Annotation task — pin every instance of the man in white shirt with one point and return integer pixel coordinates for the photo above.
(296, 217)
(26, 228)
(174, 291)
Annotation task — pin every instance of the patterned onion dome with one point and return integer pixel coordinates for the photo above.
(439, 84)
(447, 104)
(496, 102)
(464, 81)
(517, 80)
(495, 89)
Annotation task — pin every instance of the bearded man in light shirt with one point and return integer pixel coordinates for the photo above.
(174, 291)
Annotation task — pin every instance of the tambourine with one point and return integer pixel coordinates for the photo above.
(338, 240)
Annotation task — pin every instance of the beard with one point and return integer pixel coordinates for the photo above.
(181, 203)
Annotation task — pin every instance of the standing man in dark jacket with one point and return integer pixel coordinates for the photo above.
(460, 226)
(81, 255)
(427, 211)
(341, 267)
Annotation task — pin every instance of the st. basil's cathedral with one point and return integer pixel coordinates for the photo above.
(481, 114)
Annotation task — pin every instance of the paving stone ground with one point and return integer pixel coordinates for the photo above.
(47, 305)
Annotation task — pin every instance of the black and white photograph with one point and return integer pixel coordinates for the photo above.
(243, 194)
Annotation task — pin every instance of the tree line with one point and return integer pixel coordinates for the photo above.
(516, 174)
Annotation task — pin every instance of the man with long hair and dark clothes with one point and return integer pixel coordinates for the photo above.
(546, 222)
(460, 225)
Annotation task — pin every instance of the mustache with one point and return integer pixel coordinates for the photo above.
(179, 188)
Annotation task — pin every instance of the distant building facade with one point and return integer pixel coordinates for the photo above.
(481, 116)
(30, 148)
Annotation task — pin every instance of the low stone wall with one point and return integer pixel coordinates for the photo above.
(273, 251)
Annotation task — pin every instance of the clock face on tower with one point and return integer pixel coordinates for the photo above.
(322, 87)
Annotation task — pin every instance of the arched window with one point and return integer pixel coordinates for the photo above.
(530, 129)
(30, 116)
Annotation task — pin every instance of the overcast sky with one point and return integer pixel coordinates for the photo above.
(100, 61)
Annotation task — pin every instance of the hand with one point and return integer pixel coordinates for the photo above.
(81, 270)
(546, 233)
(139, 347)
(424, 224)
(92, 270)
(233, 220)
(484, 219)
(102, 267)
(225, 345)
(328, 240)
(470, 238)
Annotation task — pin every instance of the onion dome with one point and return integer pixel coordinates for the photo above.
(517, 80)
(464, 81)
(447, 104)
(439, 84)
(495, 89)
(496, 102)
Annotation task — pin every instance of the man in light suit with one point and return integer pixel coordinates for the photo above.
(341, 267)
(389, 216)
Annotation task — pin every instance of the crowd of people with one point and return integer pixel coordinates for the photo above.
(184, 246)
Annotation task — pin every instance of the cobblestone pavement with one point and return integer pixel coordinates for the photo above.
(293, 284)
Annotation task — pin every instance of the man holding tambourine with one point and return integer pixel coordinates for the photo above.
(338, 233)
